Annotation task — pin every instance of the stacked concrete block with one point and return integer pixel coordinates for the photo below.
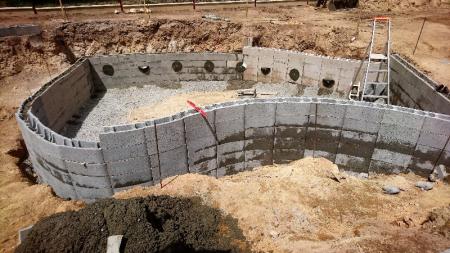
(359, 134)
(250, 55)
(397, 139)
(126, 158)
(127, 72)
(259, 134)
(230, 130)
(324, 128)
(201, 143)
(292, 118)
(348, 70)
(330, 70)
(296, 61)
(431, 149)
(68, 93)
(280, 66)
(172, 150)
(415, 85)
(312, 71)
(265, 65)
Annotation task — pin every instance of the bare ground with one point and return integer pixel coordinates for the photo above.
(26, 63)
(300, 208)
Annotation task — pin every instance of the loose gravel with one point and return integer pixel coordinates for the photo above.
(114, 106)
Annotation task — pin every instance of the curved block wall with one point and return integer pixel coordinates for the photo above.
(355, 135)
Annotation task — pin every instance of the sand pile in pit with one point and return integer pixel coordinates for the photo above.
(300, 208)
(151, 224)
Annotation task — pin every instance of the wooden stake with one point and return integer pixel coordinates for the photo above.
(121, 6)
(34, 6)
(193, 4)
(420, 34)
(62, 10)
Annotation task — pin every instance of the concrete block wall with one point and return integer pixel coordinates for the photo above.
(358, 136)
(239, 136)
(127, 73)
(56, 104)
(411, 88)
(311, 69)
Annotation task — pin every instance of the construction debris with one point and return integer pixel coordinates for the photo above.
(254, 93)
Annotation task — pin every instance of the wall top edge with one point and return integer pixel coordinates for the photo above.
(307, 100)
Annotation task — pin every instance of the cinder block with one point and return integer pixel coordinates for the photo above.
(365, 113)
(124, 153)
(90, 181)
(326, 122)
(145, 184)
(432, 140)
(63, 190)
(86, 169)
(170, 135)
(88, 155)
(311, 70)
(198, 134)
(391, 157)
(227, 159)
(201, 155)
(409, 120)
(230, 131)
(122, 139)
(262, 132)
(424, 159)
(397, 137)
(231, 169)
(281, 156)
(133, 179)
(259, 115)
(202, 167)
(320, 153)
(436, 125)
(150, 138)
(292, 114)
(93, 193)
(230, 147)
(361, 126)
(352, 163)
(173, 162)
(382, 167)
(322, 139)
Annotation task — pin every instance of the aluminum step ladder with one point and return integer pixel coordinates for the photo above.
(377, 76)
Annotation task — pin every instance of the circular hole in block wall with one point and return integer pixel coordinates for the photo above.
(144, 69)
(328, 83)
(294, 74)
(209, 66)
(240, 67)
(265, 71)
(177, 66)
(108, 70)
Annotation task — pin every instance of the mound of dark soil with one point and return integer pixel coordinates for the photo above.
(151, 224)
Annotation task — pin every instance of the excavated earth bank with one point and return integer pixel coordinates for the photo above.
(150, 224)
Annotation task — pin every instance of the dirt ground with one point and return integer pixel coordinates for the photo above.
(150, 224)
(300, 208)
(27, 63)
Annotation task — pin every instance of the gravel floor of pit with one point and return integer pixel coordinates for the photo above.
(115, 106)
(150, 224)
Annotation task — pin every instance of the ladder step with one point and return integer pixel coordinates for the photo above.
(375, 96)
(378, 57)
(376, 83)
(379, 70)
